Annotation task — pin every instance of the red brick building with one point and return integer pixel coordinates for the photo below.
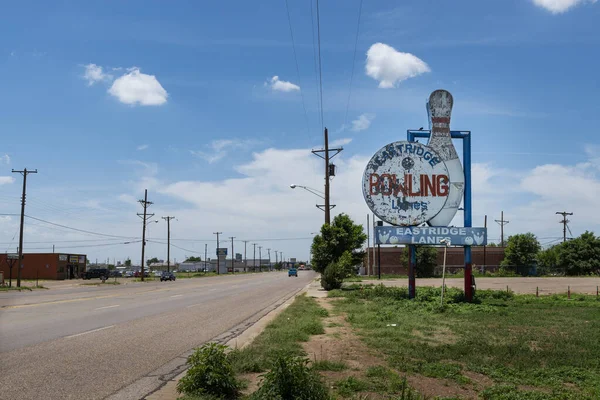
(57, 266)
(391, 264)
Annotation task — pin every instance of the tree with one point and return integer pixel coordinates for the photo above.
(336, 272)
(128, 262)
(580, 256)
(521, 251)
(335, 239)
(548, 260)
(151, 261)
(426, 260)
(111, 267)
(193, 259)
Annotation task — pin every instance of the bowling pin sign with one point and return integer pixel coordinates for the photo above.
(440, 111)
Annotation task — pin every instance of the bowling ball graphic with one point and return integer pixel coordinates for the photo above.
(468, 240)
(408, 163)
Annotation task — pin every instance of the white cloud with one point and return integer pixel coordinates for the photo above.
(6, 180)
(94, 73)
(135, 87)
(363, 122)
(560, 6)
(220, 148)
(281, 86)
(5, 159)
(389, 66)
(143, 147)
(340, 142)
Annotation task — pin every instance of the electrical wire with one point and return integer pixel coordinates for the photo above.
(320, 67)
(314, 45)
(297, 69)
(353, 63)
(177, 247)
(81, 230)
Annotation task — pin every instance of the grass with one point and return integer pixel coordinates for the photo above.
(551, 343)
(22, 288)
(186, 275)
(360, 278)
(282, 336)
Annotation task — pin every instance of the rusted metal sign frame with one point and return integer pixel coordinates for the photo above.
(465, 136)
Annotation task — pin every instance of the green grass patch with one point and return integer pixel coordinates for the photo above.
(282, 336)
(328, 365)
(550, 344)
(21, 289)
(349, 386)
(186, 275)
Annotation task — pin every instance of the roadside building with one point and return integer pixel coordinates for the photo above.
(57, 266)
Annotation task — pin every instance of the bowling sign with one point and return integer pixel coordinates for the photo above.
(409, 183)
(458, 236)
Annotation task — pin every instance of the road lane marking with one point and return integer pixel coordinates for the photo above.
(212, 290)
(195, 305)
(103, 308)
(92, 331)
(177, 295)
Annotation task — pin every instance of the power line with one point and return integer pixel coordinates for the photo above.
(312, 23)
(297, 68)
(173, 245)
(80, 230)
(320, 68)
(353, 62)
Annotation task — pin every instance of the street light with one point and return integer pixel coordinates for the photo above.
(308, 189)
(447, 243)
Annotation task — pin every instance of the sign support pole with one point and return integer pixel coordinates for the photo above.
(412, 263)
(469, 280)
(379, 261)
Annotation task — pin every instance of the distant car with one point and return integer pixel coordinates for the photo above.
(128, 274)
(157, 274)
(138, 274)
(293, 272)
(167, 276)
(116, 274)
(102, 273)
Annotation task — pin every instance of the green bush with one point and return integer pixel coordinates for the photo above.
(291, 379)
(336, 272)
(210, 373)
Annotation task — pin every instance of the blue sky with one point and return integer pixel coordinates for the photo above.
(179, 99)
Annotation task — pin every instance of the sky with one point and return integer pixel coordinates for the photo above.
(214, 109)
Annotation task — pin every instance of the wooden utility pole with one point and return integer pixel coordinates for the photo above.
(269, 250)
(484, 246)
(245, 258)
(145, 203)
(502, 222)
(564, 221)
(260, 258)
(168, 219)
(254, 258)
(329, 172)
(232, 255)
(218, 262)
(25, 172)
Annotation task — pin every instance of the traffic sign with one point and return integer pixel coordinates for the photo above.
(222, 251)
(12, 256)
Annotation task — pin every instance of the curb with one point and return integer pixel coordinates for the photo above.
(238, 337)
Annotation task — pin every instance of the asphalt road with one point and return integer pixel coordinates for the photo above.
(86, 342)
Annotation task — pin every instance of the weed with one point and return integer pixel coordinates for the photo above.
(210, 373)
(291, 379)
(347, 387)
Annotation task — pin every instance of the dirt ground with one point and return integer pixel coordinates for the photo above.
(516, 285)
(341, 344)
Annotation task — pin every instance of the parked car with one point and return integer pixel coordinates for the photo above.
(138, 274)
(158, 274)
(128, 274)
(102, 273)
(293, 272)
(167, 276)
(116, 273)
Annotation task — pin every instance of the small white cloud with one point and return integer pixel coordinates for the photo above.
(281, 86)
(143, 147)
(220, 148)
(6, 180)
(560, 6)
(94, 73)
(340, 142)
(389, 66)
(363, 122)
(5, 159)
(137, 88)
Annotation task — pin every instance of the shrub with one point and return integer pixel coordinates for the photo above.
(291, 379)
(336, 272)
(210, 373)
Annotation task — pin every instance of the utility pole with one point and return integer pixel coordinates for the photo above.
(565, 221)
(168, 219)
(205, 255)
(25, 172)
(232, 255)
(484, 246)
(254, 257)
(245, 259)
(329, 172)
(269, 250)
(145, 216)
(276, 258)
(502, 222)
(218, 233)
(260, 258)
